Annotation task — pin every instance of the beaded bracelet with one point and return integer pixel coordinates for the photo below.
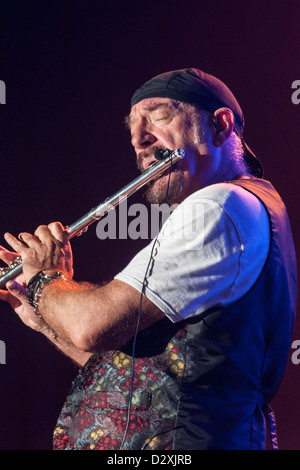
(36, 285)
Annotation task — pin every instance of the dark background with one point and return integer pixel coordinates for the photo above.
(70, 68)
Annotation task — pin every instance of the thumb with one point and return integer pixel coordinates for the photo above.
(17, 290)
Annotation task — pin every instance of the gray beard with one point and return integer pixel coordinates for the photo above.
(163, 194)
(167, 193)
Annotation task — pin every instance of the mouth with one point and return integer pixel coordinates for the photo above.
(146, 161)
(151, 165)
(165, 173)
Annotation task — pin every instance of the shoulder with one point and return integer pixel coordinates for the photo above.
(225, 194)
(230, 208)
(234, 201)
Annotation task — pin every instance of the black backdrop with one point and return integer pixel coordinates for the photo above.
(70, 68)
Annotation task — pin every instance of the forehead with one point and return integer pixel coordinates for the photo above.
(149, 105)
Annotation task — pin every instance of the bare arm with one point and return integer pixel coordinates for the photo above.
(68, 349)
(16, 297)
(96, 319)
(91, 318)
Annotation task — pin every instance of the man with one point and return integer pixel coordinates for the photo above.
(185, 348)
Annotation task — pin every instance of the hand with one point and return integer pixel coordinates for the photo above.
(47, 249)
(16, 297)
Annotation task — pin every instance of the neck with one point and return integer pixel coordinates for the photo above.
(222, 172)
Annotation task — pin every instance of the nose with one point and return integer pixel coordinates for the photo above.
(142, 137)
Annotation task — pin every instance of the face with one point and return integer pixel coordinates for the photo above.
(163, 123)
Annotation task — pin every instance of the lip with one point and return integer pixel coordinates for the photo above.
(150, 164)
(164, 173)
(148, 160)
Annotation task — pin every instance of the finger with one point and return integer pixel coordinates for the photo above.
(15, 295)
(16, 245)
(29, 240)
(41, 231)
(17, 290)
(44, 235)
(59, 232)
(7, 256)
(4, 295)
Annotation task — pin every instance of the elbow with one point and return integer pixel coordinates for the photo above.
(95, 341)
(84, 339)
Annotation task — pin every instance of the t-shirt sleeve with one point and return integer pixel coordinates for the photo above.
(209, 252)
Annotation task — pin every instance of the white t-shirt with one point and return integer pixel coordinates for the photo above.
(209, 252)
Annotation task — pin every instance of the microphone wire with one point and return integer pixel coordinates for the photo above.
(151, 258)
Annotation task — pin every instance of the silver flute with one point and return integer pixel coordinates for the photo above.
(166, 159)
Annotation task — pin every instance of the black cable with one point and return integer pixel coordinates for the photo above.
(139, 319)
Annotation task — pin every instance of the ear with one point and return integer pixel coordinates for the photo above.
(224, 125)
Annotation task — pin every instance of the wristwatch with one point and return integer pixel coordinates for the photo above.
(36, 285)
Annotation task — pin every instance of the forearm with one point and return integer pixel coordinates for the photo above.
(68, 349)
(16, 297)
(64, 308)
(85, 317)
(96, 319)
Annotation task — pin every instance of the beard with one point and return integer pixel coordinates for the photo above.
(167, 189)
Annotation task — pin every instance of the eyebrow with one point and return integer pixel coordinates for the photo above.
(155, 106)
(150, 108)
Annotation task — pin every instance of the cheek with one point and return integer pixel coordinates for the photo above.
(168, 140)
(191, 160)
(172, 137)
(192, 167)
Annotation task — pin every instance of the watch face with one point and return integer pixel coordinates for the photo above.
(51, 274)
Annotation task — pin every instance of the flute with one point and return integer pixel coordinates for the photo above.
(165, 158)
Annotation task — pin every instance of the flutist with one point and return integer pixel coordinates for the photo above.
(189, 353)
